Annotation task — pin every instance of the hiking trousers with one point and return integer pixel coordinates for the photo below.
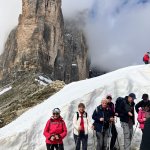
(81, 139)
(102, 140)
(55, 146)
(128, 132)
(114, 136)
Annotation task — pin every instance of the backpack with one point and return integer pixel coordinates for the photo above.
(84, 116)
(118, 105)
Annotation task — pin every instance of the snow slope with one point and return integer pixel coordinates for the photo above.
(26, 132)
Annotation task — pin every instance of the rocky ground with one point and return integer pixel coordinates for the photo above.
(26, 92)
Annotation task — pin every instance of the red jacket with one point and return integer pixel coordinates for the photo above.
(55, 127)
(146, 57)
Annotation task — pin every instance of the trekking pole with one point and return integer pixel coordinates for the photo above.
(94, 141)
(118, 140)
(118, 143)
(110, 135)
(134, 131)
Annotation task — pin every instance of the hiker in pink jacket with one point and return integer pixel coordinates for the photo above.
(55, 131)
(143, 115)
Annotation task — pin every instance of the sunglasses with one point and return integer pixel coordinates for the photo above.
(57, 114)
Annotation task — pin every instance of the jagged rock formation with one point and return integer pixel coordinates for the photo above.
(37, 45)
(75, 53)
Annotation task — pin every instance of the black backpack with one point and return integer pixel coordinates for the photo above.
(84, 116)
(118, 105)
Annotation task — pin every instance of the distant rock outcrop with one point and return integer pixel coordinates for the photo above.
(39, 44)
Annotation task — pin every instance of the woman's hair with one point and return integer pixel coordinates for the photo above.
(109, 96)
(81, 105)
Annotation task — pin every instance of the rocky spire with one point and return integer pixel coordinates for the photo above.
(37, 43)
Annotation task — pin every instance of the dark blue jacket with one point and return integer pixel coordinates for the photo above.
(98, 113)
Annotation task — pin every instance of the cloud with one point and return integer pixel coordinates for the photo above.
(117, 32)
(9, 13)
(72, 7)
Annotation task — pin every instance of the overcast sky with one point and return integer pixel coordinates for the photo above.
(9, 12)
(118, 31)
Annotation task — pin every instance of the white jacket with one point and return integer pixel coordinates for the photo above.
(76, 123)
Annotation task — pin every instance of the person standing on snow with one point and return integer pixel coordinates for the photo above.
(81, 124)
(145, 99)
(102, 117)
(143, 115)
(146, 58)
(113, 127)
(55, 131)
(127, 119)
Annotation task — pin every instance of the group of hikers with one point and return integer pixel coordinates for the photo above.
(103, 126)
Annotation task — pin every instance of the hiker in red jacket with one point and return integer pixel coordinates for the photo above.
(55, 131)
(146, 58)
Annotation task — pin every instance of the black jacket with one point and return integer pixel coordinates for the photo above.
(98, 113)
(145, 144)
(125, 108)
(111, 108)
(140, 104)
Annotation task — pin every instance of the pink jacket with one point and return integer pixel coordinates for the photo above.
(53, 127)
(141, 116)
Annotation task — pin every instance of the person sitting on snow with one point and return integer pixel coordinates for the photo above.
(81, 124)
(146, 58)
(55, 131)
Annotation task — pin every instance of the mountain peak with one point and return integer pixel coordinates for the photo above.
(37, 44)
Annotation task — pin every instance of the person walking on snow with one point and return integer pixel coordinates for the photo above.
(143, 115)
(81, 124)
(127, 119)
(55, 131)
(111, 107)
(145, 99)
(102, 117)
(146, 58)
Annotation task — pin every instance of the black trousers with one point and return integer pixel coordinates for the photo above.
(82, 138)
(146, 62)
(56, 146)
(114, 136)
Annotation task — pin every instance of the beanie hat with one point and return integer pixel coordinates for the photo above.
(56, 110)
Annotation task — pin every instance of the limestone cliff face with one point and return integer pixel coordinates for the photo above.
(38, 44)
